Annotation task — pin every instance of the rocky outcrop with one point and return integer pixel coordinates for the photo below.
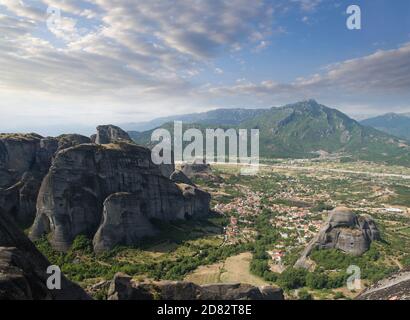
(179, 177)
(124, 288)
(197, 168)
(70, 140)
(72, 196)
(345, 231)
(23, 269)
(394, 287)
(111, 134)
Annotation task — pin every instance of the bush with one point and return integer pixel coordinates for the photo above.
(304, 295)
(293, 278)
(317, 280)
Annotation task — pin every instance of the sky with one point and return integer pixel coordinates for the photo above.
(71, 65)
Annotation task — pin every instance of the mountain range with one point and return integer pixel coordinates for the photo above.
(392, 123)
(304, 129)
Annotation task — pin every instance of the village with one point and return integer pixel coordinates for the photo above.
(299, 207)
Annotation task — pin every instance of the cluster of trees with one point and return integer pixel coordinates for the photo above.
(80, 262)
(371, 263)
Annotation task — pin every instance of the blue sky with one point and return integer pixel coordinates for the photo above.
(128, 61)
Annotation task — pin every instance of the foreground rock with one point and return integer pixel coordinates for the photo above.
(345, 231)
(23, 269)
(73, 196)
(124, 288)
(395, 287)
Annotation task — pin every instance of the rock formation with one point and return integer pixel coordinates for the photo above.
(198, 168)
(70, 140)
(111, 134)
(124, 288)
(345, 231)
(394, 287)
(179, 177)
(72, 196)
(23, 269)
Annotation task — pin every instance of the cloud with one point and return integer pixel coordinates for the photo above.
(141, 45)
(307, 5)
(383, 73)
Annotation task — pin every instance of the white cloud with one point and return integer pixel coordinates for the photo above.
(383, 73)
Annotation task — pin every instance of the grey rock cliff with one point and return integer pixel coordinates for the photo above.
(345, 231)
(124, 288)
(24, 161)
(23, 269)
(72, 195)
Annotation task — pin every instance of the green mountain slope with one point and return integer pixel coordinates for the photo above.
(307, 129)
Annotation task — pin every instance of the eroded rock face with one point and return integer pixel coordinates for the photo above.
(23, 269)
(72, 195)
(24, 160)
(124, 288)
(345, 231)
(125, 221)
(111, 134)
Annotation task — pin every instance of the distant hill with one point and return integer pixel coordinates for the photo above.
(393, 123)
(212, 118)
(308, 129)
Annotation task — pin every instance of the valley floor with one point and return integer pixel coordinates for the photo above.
(261, 225)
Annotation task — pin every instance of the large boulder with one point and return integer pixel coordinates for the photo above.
(23, 269)
(72, 195)
(343, 230)
(124, 287)
(111, 134)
